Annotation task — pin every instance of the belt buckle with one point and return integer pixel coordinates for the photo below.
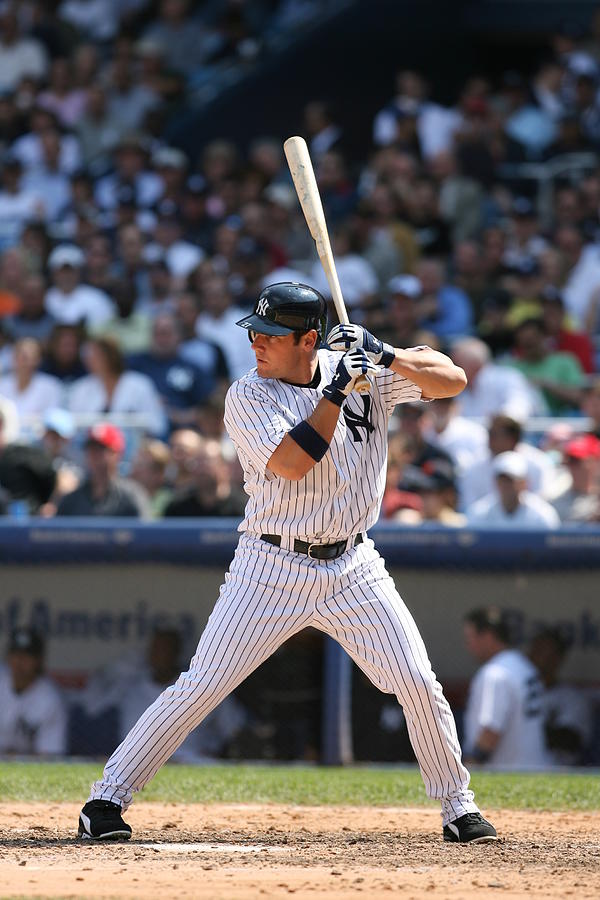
(309, 551)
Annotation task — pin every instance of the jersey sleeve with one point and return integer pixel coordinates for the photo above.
(254, 423)
(496, 701)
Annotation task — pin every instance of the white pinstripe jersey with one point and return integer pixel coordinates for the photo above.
(341, 495)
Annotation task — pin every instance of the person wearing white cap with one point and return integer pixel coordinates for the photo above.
(513, 506)
(70, 301)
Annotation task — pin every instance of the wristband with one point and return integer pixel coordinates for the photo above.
(388, 355)
(334, 395)
(309, 440)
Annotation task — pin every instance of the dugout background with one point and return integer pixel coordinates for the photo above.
(97, 611)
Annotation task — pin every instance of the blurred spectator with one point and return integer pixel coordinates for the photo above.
(443, 309)
(69, 300)
(492, 388)
(128, 100)
(203, 354)
(130, 328)
(503, 435)
(32, 713)
(18, 204)
(512, 505)
(436, 125)
(335, 186)
(210, 491)
(357, 277)
(217, 323)
(435, 485)
(431, 231)
(567, 714)
(161, 669)
(30, 390)
(582, 275)
(590, 403)
(323, 132)
(32, 320)
(186, 43)
(558, 375)
(411, 420)
(102, 492)
(181, 257)
(504, 716)
(399, 320)
(59, 431)
(96, 19)
(9, 422)
(109, 388)
(27, 477)
(182, 386)
(198, 225)
(99, 269)
(465, 441)
(19, 55)
(561, 337)
(131, 176)
(580, 502)
(524, 244)
(47, 181)
(149, 468)
(28, 148)
(172, 166)
(184, 444)
(401, 504)
(12, 274)
(63, 354)
(98, 130)
(62, 96)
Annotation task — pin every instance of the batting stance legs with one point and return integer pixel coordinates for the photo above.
(269, 594)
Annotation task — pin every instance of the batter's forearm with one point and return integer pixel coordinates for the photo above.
(432, 371)
(290, 460)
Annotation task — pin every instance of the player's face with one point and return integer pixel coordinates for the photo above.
(277, 356)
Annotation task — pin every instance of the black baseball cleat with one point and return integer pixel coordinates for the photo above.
(100, 820)
(470, 829)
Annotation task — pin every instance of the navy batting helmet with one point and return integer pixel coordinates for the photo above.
(287, 307)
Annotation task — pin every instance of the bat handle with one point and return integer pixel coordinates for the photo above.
(362, 385)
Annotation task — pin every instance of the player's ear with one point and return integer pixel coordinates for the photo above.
(310, 340)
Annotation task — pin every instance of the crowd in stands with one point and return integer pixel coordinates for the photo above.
(125, 264)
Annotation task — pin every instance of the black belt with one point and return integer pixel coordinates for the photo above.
(317, 551)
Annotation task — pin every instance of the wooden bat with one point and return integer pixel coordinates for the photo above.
(303, 176)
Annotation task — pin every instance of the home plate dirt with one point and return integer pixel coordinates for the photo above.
(235, 852)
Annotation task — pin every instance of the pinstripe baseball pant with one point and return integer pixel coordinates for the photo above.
(268, 595)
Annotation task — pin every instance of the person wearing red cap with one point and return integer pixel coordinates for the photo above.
(580, 502)
(103, 492)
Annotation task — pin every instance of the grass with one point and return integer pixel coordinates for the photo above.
(306, 785)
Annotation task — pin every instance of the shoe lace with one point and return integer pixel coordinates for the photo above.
(473, 818)
(108, 810)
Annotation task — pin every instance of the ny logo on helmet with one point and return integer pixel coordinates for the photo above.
(262, 306)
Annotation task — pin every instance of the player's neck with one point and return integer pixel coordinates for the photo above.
(305, 374)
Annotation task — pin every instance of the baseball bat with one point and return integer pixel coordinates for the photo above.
(303, 176)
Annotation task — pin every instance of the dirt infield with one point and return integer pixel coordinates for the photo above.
(227, 852)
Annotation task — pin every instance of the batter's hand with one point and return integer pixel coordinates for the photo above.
(350, 367)
(355, 337)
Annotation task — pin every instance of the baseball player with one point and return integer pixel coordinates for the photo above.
(313, 453)
(504, 716)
